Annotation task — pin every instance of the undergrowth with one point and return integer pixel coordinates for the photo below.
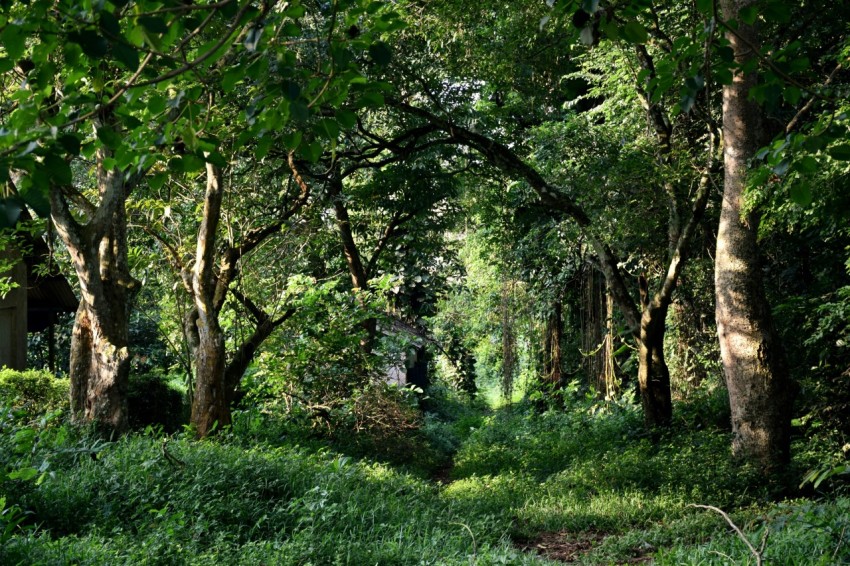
(264, 492)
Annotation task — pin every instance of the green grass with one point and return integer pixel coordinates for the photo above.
(251, 498)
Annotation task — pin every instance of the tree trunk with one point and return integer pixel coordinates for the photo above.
(552, 358)
(209, 405)
(753, 360)
(653, 374)
(359, 276)
(612, 384)
(100, 360)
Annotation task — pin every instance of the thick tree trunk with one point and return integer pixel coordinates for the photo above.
(753, 359)
(210, 406)
(100, 369)
(100, 360)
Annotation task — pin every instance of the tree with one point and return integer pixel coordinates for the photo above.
(753, 359)
(120, 92)
(84, 103)
(627, 33)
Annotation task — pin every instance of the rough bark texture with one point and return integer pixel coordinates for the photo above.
(216, 381)
(752, 356)
(210, 404)
(100, 360)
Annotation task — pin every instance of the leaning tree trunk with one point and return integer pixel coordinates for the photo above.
(752, 357)
(100, 359)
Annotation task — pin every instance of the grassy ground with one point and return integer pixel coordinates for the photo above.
(583, 485)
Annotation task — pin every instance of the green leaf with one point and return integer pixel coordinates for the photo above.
(370, 99)
(231, 77)
(299, 111)
(380, 53)
(815, 143)
(176, 164)
(35, 193)
(633, 32)
(777, 12)
(748, 14)
(296, 11)
(792, 95)
(58, 169)
(346, 118)
(24, 474)
(840, 152)
(109, 137)
(216, 159)
(291, 89)
(705, 7)
(610, 29)
(312, 151)
(799, 64)
(126, 55)
(328, 128)
(263, 146)
(109, 24)
(70, 143)
(801, 194)
(14, 41)
(153, 24)
(192, 163)
(156, 181)
(292, 141)
(93, 45)
(807, 164)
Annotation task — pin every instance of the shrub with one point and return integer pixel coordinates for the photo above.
(34, 392)
(151, 401)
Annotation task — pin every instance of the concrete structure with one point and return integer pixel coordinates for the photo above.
(13, 315)
(33, 305)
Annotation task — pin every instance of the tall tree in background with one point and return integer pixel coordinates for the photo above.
(752, 356)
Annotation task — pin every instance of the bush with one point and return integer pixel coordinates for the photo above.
(35, 392)
(152, 401)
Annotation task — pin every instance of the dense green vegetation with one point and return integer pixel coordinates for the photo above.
(263, 491)
(407, 281)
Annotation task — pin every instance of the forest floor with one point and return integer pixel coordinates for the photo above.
(581, 485)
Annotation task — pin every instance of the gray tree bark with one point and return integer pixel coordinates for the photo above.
(752, 355)
(100, 359)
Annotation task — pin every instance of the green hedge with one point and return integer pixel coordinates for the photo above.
(34, 391)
